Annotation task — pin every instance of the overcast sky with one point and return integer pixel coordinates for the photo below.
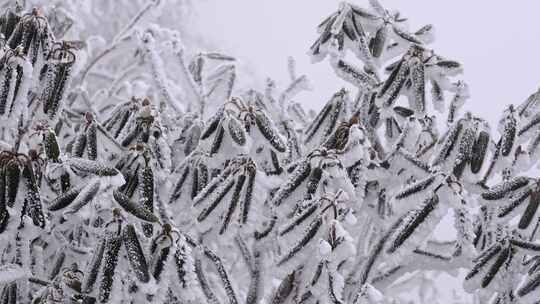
(498, 43)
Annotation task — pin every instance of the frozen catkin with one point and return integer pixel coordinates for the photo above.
(15, 80)
(506, 187)
(229, 199)
(146, 195)
(480, 148)
(135, 253)
(138, 211)
(110, 262)
(55, 79)
(508, 129)
(327, 120)
(33, 34)
(136, 166)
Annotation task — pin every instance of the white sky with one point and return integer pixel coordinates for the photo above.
(497, 43)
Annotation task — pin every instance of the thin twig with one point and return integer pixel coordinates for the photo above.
(191, 85)
(101, 55)
(120, 38)
(135, 20)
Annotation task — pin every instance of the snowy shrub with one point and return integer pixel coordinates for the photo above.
(133, 169)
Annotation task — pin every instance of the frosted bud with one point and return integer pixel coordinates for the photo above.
(324, 248)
